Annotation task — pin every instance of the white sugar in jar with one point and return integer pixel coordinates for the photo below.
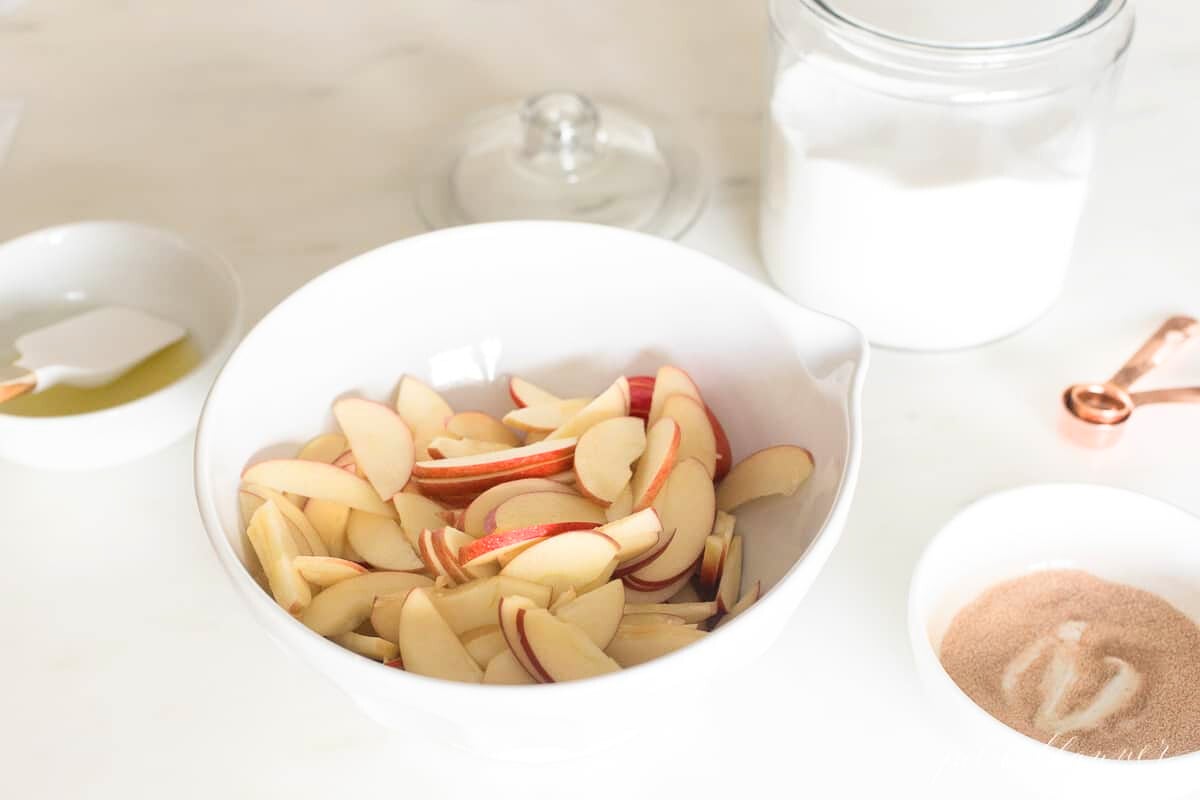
(927, 161)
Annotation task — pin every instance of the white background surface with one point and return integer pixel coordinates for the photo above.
(286, 134)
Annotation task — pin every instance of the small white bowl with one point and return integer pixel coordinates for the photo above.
(1113, 534)
(119, 263)
(569, 306)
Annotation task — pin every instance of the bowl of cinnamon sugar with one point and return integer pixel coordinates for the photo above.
(1057, 629)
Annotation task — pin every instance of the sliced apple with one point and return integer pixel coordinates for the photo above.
(562, 599)
(417, 513)
(747, 600)
(247, 505)
(347, 604)
(300, 524)
(505, 670)
(476, 604)
(657, 618)
(324, 448)
(696, 437)
(534, 437)
(659, 547)
(686, 505)
(774, 470)
(347, 462)
(542, 508)
(381, 442)
(329, 521)
(484, 644)
(637, 644)
(688, 612)
(326, 570)
(509, 554)
(450, 542)
(634, 596)
(369, 646)
(481, 427)
(276, 550)
(467, 489)
(381, 542)
(568, 560)
(641, 392)
(612, 402)
(668, 382)
(543, 418)
(313, 479)
(622, 506)
(724, 451)
(597, 613)
(635, 534)
(731, 576)
(553, 650)
(385, 614)
(473, 519)
(656, 463)
(499, 461)
(507, 613)
(604, 456)
(525, 393)
(428, 645)
(710, 562)
(445, 447)
(490, 548)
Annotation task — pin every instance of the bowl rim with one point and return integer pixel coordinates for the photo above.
(214, 264)
(928, 663)
(290, 632)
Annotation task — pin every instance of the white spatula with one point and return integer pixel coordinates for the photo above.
(88, 350)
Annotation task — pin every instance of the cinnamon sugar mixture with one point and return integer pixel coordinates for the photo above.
(1081, 663)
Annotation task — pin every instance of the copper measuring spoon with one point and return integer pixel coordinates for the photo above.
(1109, 404)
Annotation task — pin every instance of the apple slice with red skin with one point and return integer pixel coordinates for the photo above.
(276, 550)
(385, 615)
(478, 510)
(656, 463)
(372, 647)
(689, 612)
(488, 549)
(724, 451)
(380, 440)
(781, 469)
(326, 570)
(506, 615)
(309, 541)
(476, 604)
(445, 447)
(637, 562)
(541, 508)
(604, 457)
(686, 505)
(429, 646)
(449, 542)
(612, 402)
(597, 613)
(655, 618)
(710, 562)
(635, 534)
(657, 596)
(637, 644)
(480, 427)
(696, 438)
(468, 488)
(545, 417)
(670, 381)
(313, 479)
(748, 599)
(731, 576)
(641, 392)
(550, 650)
(484, 644)
(500, 461)
(381, 542)
(347, 604)
(505, 670)
(568, 560)
(525, 393)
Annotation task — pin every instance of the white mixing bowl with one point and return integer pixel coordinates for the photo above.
(568, 306)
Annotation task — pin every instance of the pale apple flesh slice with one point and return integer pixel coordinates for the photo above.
(484, 644)
(312, 541)
(689, 612)
(562, 599)
(545, 417)
(696, 437)
(381, 542)
(445, 447)
(325, 571)
(385, 615)
(423, 410)
(347, 604)
(622, 506)
(605, 455)
(663, 541)
(505, 670)
(656, 618)
(541, 508)
(597, 613)
(478, 510)
(476, 604)
(670, 381)
(731, 576)
(635, 534)
(748, 599)
(710, 562)
(637, 644)
(491, 548)
(373, 647)
(467, 489)
(526, 393)
(635, 596)
(553, 650)
(313, 479)
(324, 448)
(778, 470)
(247, 504)
(656, 463)
(686, 505)
(568, 560)
(428, 645)
(276, 550)
(499, 461)
(481, 427)
(612, 402)
(417, 513)
(329, 521)
(381, 442)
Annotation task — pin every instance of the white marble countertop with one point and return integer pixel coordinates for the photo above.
(286, 134)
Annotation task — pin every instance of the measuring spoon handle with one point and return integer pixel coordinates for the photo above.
(1169, 337)
(1189, 394)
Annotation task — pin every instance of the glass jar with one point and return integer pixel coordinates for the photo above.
(927, 163)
